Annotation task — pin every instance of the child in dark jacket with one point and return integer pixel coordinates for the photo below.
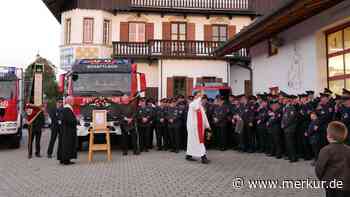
(313, 135)
(333, 164)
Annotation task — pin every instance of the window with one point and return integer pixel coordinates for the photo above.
(137, 32)
(347, 38)
(67, 31)
(179, 86)
(88, 30)
(219, 33)
(178, 31)
(335, 42)
(106, 31)
(338, 55)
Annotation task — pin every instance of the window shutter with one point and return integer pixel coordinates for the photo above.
(208, 33)
(231, 31)
(191, 31)
(166, 31)
(124, 31)
(149, 31)
(170, 87)
(189, 86)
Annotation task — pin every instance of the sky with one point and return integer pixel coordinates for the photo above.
(27, 28)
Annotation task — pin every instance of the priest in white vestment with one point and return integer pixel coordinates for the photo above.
(197, 122)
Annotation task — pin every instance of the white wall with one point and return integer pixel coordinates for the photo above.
(151, 72)
(77, 16)
(193, 69)
(237, 77)
(189, 68)
(301, 63)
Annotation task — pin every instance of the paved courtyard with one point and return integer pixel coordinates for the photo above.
(151, 174)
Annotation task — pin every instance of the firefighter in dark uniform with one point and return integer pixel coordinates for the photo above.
(56, 121)
(251, 118)
(174, 125)
(261, 119)
(324, 113)
(161, 124)
(144, 121)
(220, 121)
(152, 105)
(338, 108)
(37, 125)
(289, 124)
(128, 126)
(304, 116)
(345, 114)
(182, 106)
(234, 115)
(274, 129)
(167, 137)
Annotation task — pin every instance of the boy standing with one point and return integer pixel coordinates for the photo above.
(334, 161)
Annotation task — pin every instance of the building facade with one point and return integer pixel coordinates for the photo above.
(173, 42)
(310, 53)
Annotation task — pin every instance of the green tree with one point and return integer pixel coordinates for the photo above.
(50, 86)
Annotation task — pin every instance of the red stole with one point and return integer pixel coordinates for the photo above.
(200, 126)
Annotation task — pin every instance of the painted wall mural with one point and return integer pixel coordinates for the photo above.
(295, 70)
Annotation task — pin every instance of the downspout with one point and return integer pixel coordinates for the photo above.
(161, 78)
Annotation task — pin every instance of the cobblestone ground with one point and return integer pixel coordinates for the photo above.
(151, 174)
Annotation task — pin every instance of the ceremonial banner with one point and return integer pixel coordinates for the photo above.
(38, 89)
(33, 107)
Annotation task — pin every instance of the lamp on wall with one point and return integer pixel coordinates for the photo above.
(277, 41)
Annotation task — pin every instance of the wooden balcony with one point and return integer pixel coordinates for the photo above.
(154, 49)
(193, 4)
(169, 49)
(186, 7)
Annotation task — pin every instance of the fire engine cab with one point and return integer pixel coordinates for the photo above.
(100, 84)
(11, 105)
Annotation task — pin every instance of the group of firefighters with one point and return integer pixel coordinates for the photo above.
(283, 126)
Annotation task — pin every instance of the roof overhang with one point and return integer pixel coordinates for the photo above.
(56, 7)
(289, 14)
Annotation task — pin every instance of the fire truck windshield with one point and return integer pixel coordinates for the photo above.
(107, 84)
(8, 89)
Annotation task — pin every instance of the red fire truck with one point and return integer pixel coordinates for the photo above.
(99, 84)
(11, 105)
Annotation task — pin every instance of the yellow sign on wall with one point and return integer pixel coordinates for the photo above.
(86, 53)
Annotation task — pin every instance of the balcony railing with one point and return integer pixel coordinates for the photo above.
(193, 4)
(166, 48)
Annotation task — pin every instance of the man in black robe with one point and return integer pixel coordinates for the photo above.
(67, 142)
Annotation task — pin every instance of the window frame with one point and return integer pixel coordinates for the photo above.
(219, 32)
(137, 33)
(106, 35)
(67, 31)
(183, 80)
(345, 76)
(178, 35)
(85, 41)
